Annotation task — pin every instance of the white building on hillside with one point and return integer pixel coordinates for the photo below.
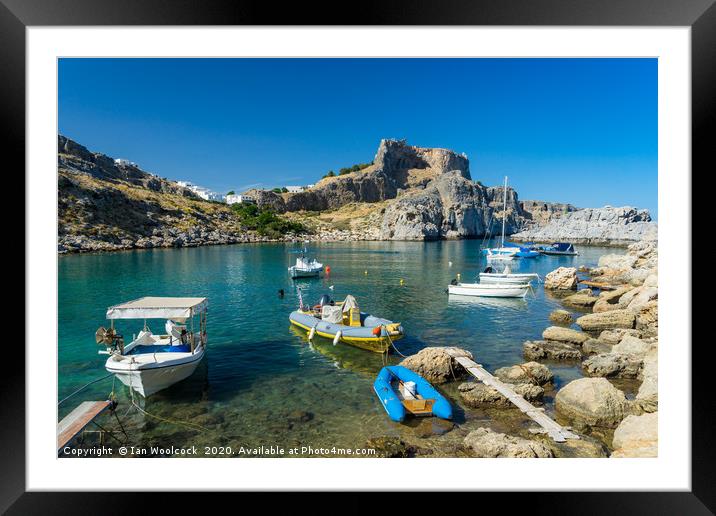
(240, 199)
(202, 192)
(125, 163)
(297, 189)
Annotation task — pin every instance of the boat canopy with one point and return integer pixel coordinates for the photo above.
(158, 308)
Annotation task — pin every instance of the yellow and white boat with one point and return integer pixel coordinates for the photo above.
(344, 322)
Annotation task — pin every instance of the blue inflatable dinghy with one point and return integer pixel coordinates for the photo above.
(402, 392)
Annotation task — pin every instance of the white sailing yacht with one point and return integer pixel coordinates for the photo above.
(502, 253)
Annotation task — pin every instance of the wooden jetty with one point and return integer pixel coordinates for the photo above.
(554, 430)
(77, 420)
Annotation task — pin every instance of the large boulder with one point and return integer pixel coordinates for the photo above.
(609, 299)
(582, 299)
(529, 372)
(634, 346)
(477, 394)
(596, 346)
(559, 334)
(647, 398)
(613, 365)
(550, 350)
(647, 320)
(645, 295)
(436, 365)
(593, 401)
(615, 336)
(485, 443)
(563, 278)
(637, 436)
(607, 320)
(561, 317)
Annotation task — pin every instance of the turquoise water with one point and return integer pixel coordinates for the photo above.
(261, 383)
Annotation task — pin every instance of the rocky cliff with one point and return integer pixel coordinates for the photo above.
(103, 206)
(451, 206)
(539, 213)
(598, 226)
(396, 167)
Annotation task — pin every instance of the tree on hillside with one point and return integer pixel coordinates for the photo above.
(230, 192)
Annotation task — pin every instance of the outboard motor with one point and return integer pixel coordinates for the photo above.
(489, 270)
(325, 300)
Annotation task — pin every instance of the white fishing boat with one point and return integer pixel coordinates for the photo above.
(152, 362)
(502, 253)
(507, 277)
(305, 267)
(489, 290)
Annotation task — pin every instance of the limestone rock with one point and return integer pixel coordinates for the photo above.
(584, 299)
(563, 278)
(607, 225)
(637, 436)
(645, 295)
(562, 317)
(647, 320)
(596, 346)
(483, 442)
(615, 336)
(593, 401)
(609, 299)
(529, 372)
(633, 346)
(477, 394)
(550, 350)
(613, 365)
(559, 334)
(647, 398)
(607, 320)
(435, 364)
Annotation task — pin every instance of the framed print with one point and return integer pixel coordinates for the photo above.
(270, 251)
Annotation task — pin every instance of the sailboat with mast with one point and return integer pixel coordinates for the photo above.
(502, 253)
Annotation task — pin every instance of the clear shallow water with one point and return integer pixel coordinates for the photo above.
(261, 383)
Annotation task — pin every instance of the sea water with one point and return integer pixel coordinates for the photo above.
(261, 385)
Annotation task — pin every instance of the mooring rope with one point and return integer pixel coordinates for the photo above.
(165, 420)
(83, 388)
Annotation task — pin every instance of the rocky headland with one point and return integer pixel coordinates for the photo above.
(595, 226)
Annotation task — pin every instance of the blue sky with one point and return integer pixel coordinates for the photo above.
(582, 131)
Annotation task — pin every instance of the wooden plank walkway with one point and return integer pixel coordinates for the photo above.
(76, 421)
(553, 429)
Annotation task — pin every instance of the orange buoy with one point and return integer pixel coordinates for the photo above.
(376, 331)
(328, 269)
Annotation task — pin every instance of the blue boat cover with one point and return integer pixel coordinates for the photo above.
(383, 387)
(562, 246)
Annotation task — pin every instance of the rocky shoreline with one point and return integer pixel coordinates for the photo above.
(612, 334)
(406, 193)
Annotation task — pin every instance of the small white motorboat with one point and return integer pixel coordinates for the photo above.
(305, 268)
(150, 363)
(506, 277)
(489, 290)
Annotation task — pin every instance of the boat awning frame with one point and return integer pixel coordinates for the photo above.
(158, 308)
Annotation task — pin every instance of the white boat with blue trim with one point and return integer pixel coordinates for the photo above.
(152, 362)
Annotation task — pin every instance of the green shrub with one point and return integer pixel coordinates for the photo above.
(266, 222)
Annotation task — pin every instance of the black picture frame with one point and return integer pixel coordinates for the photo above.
(700, 15)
